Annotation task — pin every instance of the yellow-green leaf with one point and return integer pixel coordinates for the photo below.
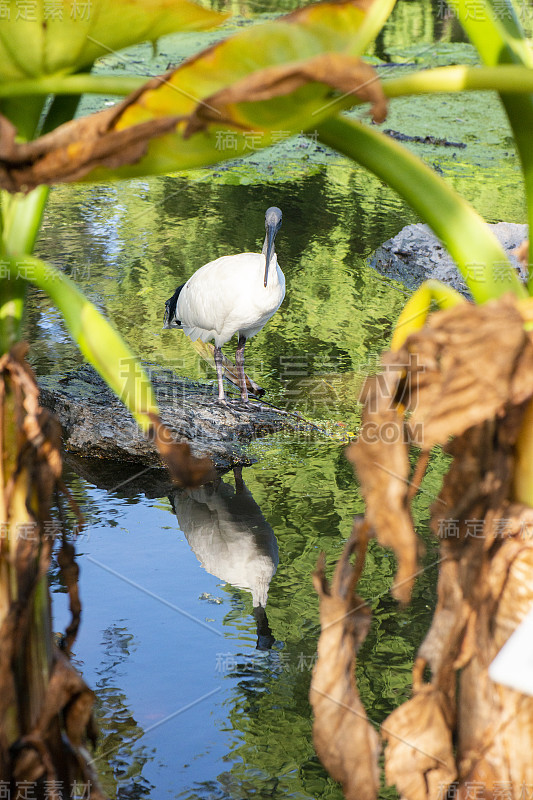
(417, 308)
(41, 38)
(242, 94)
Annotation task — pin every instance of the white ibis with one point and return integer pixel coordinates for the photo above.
(233, 294)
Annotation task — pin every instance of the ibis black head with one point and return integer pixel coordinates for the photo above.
(273, 218)
(171, 312)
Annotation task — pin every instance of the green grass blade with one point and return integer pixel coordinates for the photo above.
(476, 251)
(99, 342)
(21, 220)
(21, 217)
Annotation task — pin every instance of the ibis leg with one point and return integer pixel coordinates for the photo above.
(218, 365)
(239, 363)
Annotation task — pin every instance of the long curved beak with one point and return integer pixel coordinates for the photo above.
(270, 236)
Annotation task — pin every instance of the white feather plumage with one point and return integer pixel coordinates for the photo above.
(227, 296)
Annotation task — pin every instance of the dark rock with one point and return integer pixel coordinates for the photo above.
(97, 425)
(415, 255)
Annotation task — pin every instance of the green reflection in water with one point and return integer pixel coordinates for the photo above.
(118, 758)
(308, 495)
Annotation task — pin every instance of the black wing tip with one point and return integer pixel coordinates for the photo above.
(170, 320)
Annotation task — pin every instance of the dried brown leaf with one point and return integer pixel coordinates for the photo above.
(469, 365)
(467, 374)
(419, 754)
(443, 641)
(30, 480)
(471, 362)
(495, 723)
(343, 73)
(344, 740)
(380, 459)
(477, 387)
(522, 253)
(66, 558)
(69, 698)
(72, 150)
(184, 468)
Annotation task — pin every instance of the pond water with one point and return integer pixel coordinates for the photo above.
(198, 696)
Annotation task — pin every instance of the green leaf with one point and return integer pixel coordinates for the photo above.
(100, 343)
(242, 94)
(21, 220)
(474, 248)
(250, 80)
(495, 30)
(21, 217)
(41, 38)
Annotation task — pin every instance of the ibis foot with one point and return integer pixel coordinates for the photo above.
(243, 405)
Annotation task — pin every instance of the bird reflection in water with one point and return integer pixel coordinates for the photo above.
(232, 540)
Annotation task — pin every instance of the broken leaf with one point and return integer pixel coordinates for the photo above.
(227, 101)
(343, 73)
(419, 754)
(468, 374)
(380, 459)
(466, 366)
(47, 702)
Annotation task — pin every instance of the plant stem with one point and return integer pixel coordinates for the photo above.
(505, 78)
(474, 248)
(12, 293)
(460, 79)
(84, 83)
